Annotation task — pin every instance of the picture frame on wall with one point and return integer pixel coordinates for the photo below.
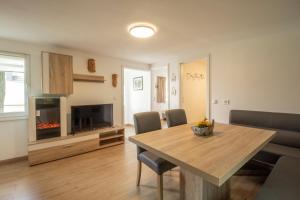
(138, 83)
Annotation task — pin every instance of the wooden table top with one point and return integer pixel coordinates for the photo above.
(215, 158)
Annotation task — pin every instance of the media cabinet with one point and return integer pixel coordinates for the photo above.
(46, 150)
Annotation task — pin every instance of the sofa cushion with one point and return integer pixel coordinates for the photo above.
(286, 121)
(283, 121)
(283, 182)
(282, 150)
(288, 138)
(250, 118)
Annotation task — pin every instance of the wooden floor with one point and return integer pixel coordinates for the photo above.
(104, 174)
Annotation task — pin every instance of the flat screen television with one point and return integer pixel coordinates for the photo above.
(90, 117)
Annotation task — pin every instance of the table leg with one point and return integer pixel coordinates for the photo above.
(193, 187)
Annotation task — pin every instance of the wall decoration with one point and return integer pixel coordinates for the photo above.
(138, 83)
(91, 65)
(173, 92)
(114, 78)
(195, 76)
(173, 77)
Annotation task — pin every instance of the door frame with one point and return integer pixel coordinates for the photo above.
(123, 67)
(208, 83)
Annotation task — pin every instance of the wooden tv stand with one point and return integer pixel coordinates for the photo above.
(61, 147)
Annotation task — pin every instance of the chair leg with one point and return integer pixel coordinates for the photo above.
(160, 187)
(139, 171)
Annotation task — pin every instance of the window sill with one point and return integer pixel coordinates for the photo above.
(13, 117)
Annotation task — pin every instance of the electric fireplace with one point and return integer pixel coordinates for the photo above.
(47, 118)
(90, 117)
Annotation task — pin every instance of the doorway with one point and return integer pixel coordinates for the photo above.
(160, 89)
(195, 89)
(136, 93)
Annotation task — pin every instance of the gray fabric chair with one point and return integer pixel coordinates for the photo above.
(176, 117)
(146, 122)
(283, 182)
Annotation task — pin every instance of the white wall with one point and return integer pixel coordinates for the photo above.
(260, 73)
(13, 134)
(161, 71)
(136, 101)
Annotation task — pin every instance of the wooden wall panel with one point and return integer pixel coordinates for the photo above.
(60, 74)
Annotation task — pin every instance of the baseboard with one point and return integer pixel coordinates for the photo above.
(13, 160)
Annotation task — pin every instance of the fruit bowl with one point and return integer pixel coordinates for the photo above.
(204, 128)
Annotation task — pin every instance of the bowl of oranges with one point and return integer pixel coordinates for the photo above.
(204, 128)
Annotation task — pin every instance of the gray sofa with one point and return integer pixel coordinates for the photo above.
(287, 126)
(283, 182)
(281, 156)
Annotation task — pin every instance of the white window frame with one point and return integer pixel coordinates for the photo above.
(19, 115)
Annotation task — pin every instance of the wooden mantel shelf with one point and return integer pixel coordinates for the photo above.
(88, 78)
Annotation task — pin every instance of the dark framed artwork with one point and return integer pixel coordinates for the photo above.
(138, 83)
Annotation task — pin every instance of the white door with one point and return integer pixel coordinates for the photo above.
(194, 90)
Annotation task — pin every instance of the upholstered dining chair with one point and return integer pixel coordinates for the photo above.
(176, 117)
(146, 122)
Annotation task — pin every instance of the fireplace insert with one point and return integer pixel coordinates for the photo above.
(90, 117)
(47, 118)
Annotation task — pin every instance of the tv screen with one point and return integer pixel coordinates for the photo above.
(90, 117)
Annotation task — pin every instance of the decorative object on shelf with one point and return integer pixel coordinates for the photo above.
(173, 78)
(138, 83)
(88, 78)
(204, 128)
(91, 65)
(114, 78)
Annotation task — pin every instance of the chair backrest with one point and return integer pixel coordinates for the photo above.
(176, 117)
(146, 122)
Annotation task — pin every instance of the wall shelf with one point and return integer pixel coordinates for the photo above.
(88, 78)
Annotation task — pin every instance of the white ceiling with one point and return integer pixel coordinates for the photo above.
(99, 26)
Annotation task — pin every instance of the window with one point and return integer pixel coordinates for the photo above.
(12, 84)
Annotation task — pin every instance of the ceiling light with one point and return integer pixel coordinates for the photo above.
(142, 30)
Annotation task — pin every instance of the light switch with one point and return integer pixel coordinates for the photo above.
(215, 101)
(226, 101)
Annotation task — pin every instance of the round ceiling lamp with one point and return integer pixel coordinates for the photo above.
(142, 30)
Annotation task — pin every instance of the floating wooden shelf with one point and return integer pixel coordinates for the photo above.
(88, 78)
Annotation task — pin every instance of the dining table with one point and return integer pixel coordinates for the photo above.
(206, 162)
